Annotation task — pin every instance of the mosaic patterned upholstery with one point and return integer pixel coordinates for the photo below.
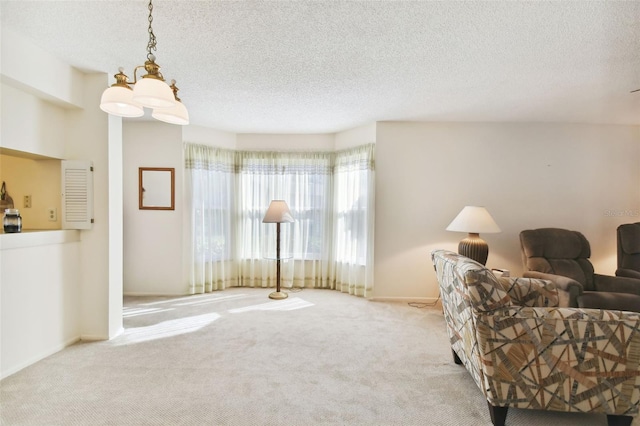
(538, 357)
(530, 291)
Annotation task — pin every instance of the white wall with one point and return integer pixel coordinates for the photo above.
(88, 137)
(152, 238)
(206, 136)
(40, 296)
(31, 124)
(354, 137)
(527, 175)
(34, 70)
(277, 142)
(55, 294)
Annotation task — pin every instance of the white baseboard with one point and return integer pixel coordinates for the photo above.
(39, 357)
(91, 338)
(137, 293)
(405, 299)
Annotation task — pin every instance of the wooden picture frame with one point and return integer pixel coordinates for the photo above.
(156, 188)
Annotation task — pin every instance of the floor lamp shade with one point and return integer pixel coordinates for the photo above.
(278, 212)
(474, 220)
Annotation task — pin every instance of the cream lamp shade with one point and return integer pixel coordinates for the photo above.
(474, 220)
(153, 93)
(278, 212)
(177, 114)
(118, 100)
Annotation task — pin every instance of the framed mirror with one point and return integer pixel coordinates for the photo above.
(156, 188)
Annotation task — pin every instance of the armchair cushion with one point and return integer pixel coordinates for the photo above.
(616, 284)
(609, 300)
(559, 252)
(629, 273)
(628, 236)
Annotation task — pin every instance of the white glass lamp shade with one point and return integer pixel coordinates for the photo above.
(474, 219)
(118, 100)
(176, 114)
(278, 212)
(153, 93)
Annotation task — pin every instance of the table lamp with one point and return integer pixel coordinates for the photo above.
(278, 212)
(474, 220)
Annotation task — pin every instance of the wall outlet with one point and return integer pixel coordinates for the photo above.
(27, 201)
(52, 214)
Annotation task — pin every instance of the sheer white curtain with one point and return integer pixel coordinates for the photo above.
(353, 216)
(330, 195)
(303, 181)
(210, 182)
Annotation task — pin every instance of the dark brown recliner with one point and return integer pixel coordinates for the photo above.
(562, 256)
(628, 236)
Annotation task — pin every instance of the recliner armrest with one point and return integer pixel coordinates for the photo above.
(568, 288)
(616, 284)
(610, 301)
(630, 273)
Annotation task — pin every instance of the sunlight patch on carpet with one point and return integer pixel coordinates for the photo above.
(211, 300)
(278, 305)
(165, 329)
(134, 312)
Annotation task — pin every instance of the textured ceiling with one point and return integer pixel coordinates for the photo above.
(327, 66)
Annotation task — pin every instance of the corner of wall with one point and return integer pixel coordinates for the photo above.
(357, 136)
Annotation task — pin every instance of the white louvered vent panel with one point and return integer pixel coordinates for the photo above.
(77, 198)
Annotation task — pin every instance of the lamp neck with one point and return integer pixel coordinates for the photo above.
(121, 79)
(152, 69)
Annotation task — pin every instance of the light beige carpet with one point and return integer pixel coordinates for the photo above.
(236, 357)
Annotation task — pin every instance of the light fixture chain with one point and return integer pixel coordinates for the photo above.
(152, 37)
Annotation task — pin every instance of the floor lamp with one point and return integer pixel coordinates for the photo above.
(474, 220)
(278, 212)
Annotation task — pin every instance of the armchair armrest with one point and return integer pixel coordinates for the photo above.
(530, 291)
(621, 272)
(609, 300)
(568, 288)
(538, 358)
(616, 284)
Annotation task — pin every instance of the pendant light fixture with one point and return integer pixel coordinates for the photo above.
(151, 91)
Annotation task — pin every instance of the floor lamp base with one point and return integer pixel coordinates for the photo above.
(278, 295)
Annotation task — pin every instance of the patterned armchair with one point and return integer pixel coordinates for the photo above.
(524, 351)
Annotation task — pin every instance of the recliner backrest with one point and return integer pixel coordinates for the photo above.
(558, 251)
(629, 246)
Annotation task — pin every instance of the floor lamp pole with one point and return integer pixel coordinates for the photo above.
(278, 212)
(278, 257)
(278, 294)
